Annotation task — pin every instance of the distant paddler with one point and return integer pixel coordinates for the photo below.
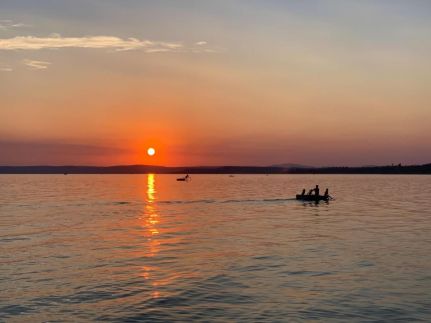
(185, 178)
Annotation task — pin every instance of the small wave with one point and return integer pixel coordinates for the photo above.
(14, 239)
(309, 273)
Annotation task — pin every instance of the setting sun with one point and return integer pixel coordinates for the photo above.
(151, 151)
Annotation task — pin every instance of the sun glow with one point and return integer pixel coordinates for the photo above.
(151, 151)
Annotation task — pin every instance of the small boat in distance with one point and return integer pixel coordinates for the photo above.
(316, 197)
(184, 179)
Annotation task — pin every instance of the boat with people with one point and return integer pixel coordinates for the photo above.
(316, 197)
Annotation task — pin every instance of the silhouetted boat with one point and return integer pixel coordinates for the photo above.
(301, 197)
(184, 179)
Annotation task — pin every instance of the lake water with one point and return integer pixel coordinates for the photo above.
(135, 248)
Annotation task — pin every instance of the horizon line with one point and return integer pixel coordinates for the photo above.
(293, 165)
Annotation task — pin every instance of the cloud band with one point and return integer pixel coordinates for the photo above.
(116, 43)
(36, 65)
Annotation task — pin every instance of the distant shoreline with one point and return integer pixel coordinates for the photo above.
(145, 169)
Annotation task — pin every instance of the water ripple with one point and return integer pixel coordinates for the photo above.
(137, 248)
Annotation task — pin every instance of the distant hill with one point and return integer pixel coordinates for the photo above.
(121, 169)
(138, 169)
(291, 165)
(393, 169)
(275, 169)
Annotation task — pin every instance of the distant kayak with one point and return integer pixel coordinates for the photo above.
(301, 197)
(184, 179)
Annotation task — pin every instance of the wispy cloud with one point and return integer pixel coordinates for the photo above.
(6, 69)
(6, 24)
(36, 65)
(55, 41)
(202, 47)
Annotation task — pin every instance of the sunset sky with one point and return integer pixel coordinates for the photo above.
(336, 82)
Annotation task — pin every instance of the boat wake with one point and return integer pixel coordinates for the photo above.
(212, 201)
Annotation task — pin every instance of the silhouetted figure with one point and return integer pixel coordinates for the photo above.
(303, 192)
(316, 190)
(310, 191)
(326, 193)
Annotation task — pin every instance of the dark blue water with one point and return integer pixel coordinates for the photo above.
(147, 248)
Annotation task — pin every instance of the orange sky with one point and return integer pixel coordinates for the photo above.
(249, 82)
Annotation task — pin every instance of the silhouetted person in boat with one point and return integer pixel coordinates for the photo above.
(326, 193)
(303, 192)
(309, 192)
(316, 190)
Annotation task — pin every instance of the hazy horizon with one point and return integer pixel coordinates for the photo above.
(320, 83)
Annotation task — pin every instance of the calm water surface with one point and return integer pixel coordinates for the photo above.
(147, 248)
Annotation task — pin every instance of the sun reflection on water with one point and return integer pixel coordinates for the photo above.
(151, 233)
(151, 216)
(158, 277)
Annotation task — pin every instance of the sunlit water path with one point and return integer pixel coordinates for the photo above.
(218, 248)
